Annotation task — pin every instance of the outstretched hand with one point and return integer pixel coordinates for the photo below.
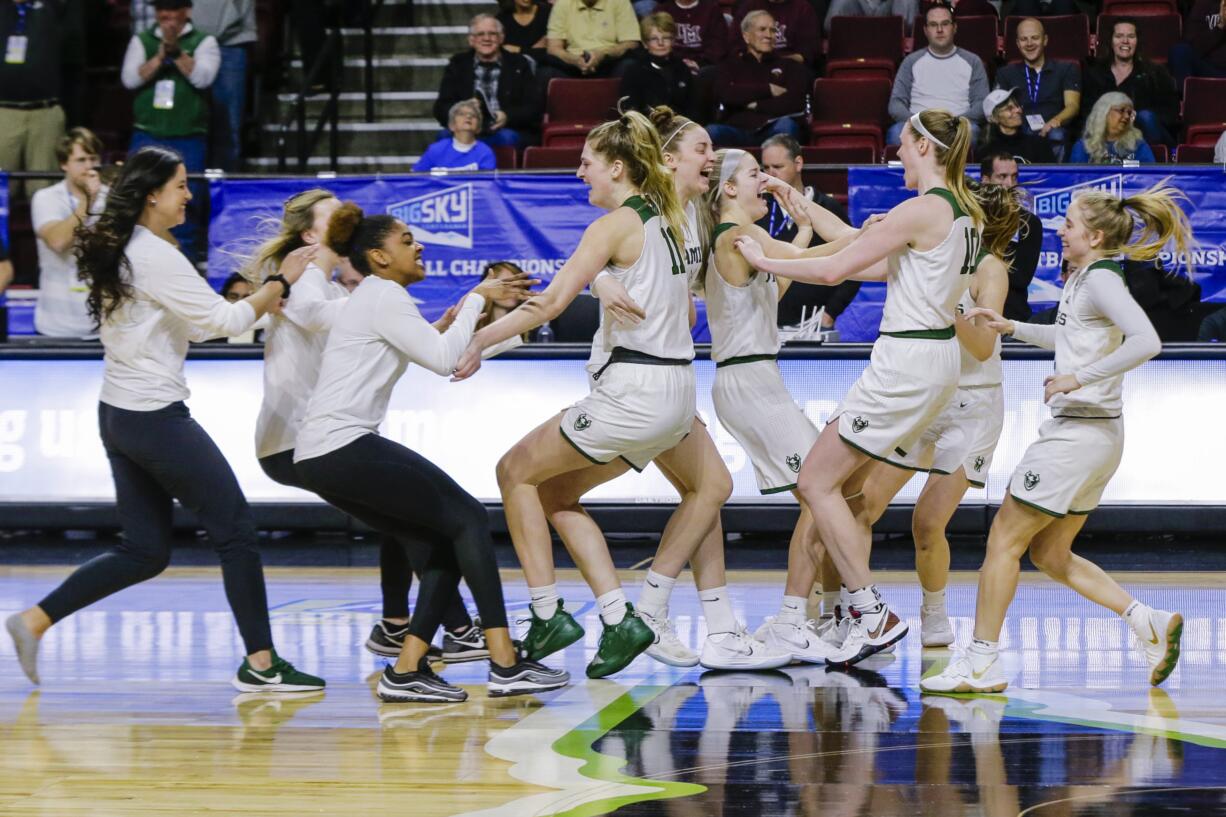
(447, 318)
(790, 199)
(995, 321)
(614, 297)
(469, 362)
(503, 289)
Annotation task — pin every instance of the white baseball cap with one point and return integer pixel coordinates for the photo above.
(995, 99)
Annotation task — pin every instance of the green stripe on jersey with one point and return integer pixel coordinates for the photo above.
(641, 206)
(1108, 264)
(949, 197)
(721, 228)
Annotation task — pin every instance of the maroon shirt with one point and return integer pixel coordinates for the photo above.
(1201, 30)
(702, 31)
(742, 79)
(800, 31)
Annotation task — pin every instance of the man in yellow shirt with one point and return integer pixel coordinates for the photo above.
(590, 38)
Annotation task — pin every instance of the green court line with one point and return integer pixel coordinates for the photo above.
(1036, 711)
(579, 744)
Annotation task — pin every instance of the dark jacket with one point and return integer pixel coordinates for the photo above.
(1172, 302)
(1023, 261)
(1029, 147)
(742, 79)
(800, 30)
(1201, 30)
(1054, 79)
(650, 81)
(517, 93)
(1149, 86)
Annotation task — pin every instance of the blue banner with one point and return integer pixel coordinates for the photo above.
(464, 222)
(1050, 189)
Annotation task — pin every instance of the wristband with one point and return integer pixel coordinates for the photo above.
(280, 279)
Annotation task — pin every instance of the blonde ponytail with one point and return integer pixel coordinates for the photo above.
(1002, 211)
(954, 135)
(1141, 225)
(297, 217)
(633, 140)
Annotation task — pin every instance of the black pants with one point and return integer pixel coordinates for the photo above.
(402, 551)
(157, 457)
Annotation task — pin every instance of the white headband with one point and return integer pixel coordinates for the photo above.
(680, 128)
(918, 126)
(731, 159)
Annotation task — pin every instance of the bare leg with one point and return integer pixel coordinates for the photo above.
(826, 469)
(802, 554)
(1051, 551)
(1012, 530)
(933, 510)
(694, 533)
(579, 532)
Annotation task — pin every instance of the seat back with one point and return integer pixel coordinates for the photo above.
(581, 100)
(867, 37)
(842, 101)
(539, 158)
(1157, 35)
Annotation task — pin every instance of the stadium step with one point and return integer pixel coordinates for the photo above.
(388, 105)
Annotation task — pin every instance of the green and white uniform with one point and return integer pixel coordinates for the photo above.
(750, 397)
(969, 427)
(642, 400)
(1100, 333)
(916, 363)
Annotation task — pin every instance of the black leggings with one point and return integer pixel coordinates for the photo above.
(157, 457)
(444, 530)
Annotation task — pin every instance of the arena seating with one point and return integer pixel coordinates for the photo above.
(1158, 34)
(541, 158)
(575, 106)
(1204, 110)
(1068, 37)
(1194, 154)
(850, 112)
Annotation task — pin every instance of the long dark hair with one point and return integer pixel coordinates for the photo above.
(101, 260)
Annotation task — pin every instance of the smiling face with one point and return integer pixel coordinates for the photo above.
(1008, 114)
(600, 176)
(399, 257)
(760, 34)
(1124, 41)
(172, 198)
(745, 188)
(691, 157)
(485, 37)
(1031, 40)
(1079, 242)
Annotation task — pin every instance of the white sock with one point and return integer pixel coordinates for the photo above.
(866, 599)
(1137, 616)
(793, 610)
(612, 606)
(544, 601)
(982, 653)
(717, 610)
(844, 598)
(934, 600)
(653, 598)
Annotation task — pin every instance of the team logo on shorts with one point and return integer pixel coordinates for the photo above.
(582, 422)
(859, 424)
(1030, 480)
(794, 463)
(979, 463)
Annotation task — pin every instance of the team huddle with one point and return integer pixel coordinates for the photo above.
(680, 220)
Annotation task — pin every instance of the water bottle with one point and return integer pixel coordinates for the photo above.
(544, 334)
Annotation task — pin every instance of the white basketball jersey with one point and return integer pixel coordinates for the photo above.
(1085, 336)
(923, 287)
(742, 319)
(976, 372)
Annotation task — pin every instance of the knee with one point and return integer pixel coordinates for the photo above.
(925, 532)
(508, 470)
(149, 563)
(716, 487)
(1051, 563)
(556, 499)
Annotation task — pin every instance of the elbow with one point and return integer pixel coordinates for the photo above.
(1152, 347)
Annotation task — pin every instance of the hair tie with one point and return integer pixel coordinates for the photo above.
(918, 125)
(727, 168)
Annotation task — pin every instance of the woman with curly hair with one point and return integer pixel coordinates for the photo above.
(1111, 136)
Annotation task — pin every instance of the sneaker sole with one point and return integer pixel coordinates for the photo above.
(763, 663)
(392, 695)
(382, 649)
(942, 640)
(1174, 632)
(522, 688)
(243, 686)
(966, 688)
(869, 650)
(621, 665)
(670, 660)
(465, 657)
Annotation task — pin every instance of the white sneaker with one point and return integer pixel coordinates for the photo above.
(667, 648)
(833, 628)
(1160, 642)
(961, 676)
(801, 640)
(868, 635)
(935, 629)
(741, 651)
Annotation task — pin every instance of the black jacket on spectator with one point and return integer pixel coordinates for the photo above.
(1023, 261)
(742, 79)
(1029, 147)
(1172, 302)
(1149, 86)
(37, 78)
(808, 296)
(518, 96)
(651, 81)
(525, 37)
(1200, 29)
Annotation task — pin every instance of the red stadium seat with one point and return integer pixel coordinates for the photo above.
(891, 153)
(540, 158)
(860, 68)
(866, 38)
(1204, 109)
(849, 112)
(820, 155)
(1161, 153)
(1194, 154)
(1068, 37)
(575, 106)
(832, 182)
(1139, 8)
(1157, 35)
(505, 157)
(979, 35)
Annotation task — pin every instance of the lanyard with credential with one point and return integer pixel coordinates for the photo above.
(1033, 89)
(22, 10)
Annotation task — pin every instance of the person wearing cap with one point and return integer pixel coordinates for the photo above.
(939, 76)
(1006, 134)
(1050, 90)
(171, 67)
(31, 118)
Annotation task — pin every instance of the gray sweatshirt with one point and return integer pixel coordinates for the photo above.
(232, 22)
(957, 83)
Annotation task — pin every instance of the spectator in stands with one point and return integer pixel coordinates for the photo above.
(232, 23)
(1006, 131)
(1212, 328)
(759, 92)
(1051, 91)
(1219, 150)
(499, 81)
(657, 75)
(1203, 50)
(702, 32)
(524, 24)
(1148, 85)
(908, 10)
(798, 31)
(939, 76)
(782, 159)
(1023, 256)
(590, 38)
(1043, 8)
(56, 212)
(171, 68)
(31, 119)
(236, 288)
(460, 151)
(1111, 137)
(311, 19)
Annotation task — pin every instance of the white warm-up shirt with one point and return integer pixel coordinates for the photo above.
(61, 310)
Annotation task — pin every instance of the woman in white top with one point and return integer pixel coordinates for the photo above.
(339, 453)
(1100, 334)
(150, 302)
(925, 249)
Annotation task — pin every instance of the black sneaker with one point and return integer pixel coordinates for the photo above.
(422, 686)
(468, 645)
(524, 678)
(386, 639)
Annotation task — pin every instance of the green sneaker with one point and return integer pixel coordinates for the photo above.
(547, 636)
(280, 677)
(620, 644)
